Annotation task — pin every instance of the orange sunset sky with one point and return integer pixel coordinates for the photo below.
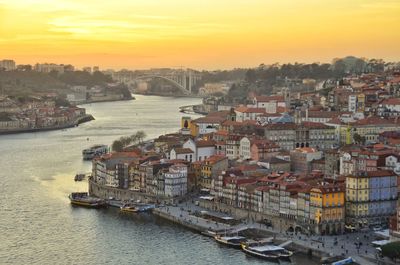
(205, 34)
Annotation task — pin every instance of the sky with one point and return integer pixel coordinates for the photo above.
(205, 34)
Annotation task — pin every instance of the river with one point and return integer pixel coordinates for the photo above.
(39, 226)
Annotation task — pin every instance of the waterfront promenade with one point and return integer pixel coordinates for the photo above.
(320, 246)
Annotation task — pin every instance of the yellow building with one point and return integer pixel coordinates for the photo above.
(211, 167)
(327, 208)
(360, 102)
(357, 199)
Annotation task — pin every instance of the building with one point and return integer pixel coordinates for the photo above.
(211, 168)
(202, 149)
(263, 149)
(244, 113)
(371, 198)
(47, 68)
(327, 204)
(301, 158)
(271, 104)
(232, 146)
(175, 180)
(275, 164)
(7, 65)
(182, 153)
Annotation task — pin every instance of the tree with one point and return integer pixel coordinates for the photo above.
(140, 135)
(117, 146)
(125, 140)
(358, 139)
(391, 250)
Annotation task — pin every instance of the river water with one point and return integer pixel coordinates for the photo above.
(39, 226)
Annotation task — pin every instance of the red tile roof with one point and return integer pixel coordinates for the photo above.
(183, 150)
(205, 143)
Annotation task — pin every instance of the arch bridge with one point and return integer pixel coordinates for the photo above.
(183, 80)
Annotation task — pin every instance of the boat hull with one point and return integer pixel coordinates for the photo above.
(259, 255)
(87, 204)
(82, 199)
(228, 244)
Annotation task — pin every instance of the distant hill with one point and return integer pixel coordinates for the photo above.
(24, 83)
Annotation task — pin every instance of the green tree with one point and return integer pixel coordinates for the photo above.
(140, 136)
(391, 250)
(117, 146)
(358, 139)
(125, 140)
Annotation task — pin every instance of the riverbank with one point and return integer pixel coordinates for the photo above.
(160, 94)
(76, 122)
(105, 100)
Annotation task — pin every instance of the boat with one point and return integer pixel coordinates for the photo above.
(83, 199)
(267, 252)
(136, 207)
(348, 260)
(95, 150)
(129, 209)
(79, 177)
(230, 241)
(114, 203)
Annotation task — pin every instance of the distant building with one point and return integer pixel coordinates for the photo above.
(87, 69)
(49, 67)
(301, 158)
(7, 65)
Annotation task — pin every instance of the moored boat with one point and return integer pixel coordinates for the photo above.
(136, 207)
(230, 241)
(96, 150)
(83, 199)
(79, 177)
(267, 252)
(130, 208)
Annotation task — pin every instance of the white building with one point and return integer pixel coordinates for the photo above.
(176, 181)
(202, 149)
(244, 148)
(269, 103)
(352, 103)
(49, 67)
(7, 65)
(245, 113)
(182, 153)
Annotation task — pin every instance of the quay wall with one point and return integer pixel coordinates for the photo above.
(79, 120)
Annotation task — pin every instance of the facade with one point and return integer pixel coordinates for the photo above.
(175, 181)
(232, 146)
(7, 65)
(245, 113)
(211, 168)
(301, 158)
(327, 204)
(182, 153)
(263, 149)
(244, 148)
(371, 197)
